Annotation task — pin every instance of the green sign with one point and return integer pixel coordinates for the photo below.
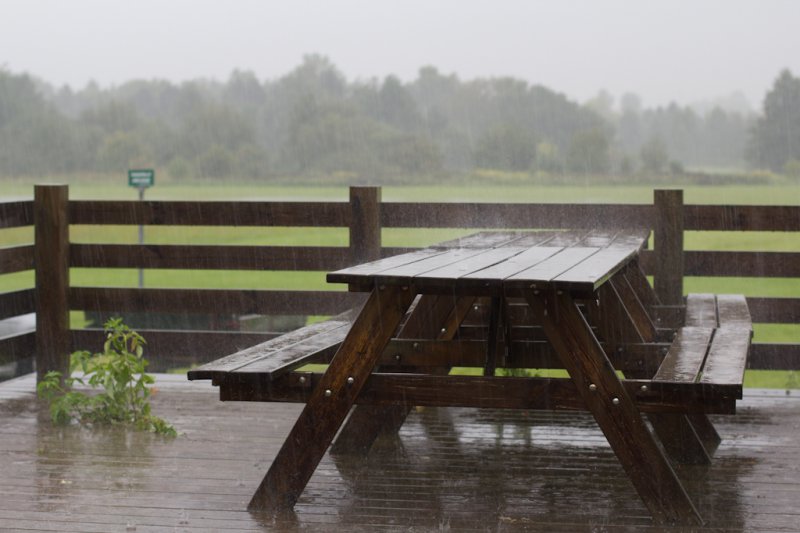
(141, 178)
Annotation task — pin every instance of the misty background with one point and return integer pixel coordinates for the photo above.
(393, 92)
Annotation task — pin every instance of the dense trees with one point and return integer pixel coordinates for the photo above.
(312, 123)
(775, 140)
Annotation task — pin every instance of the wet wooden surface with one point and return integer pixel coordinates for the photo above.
(450, 469)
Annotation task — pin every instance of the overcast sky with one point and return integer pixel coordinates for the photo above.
(679, 50)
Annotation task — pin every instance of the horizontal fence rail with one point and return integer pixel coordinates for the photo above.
(288, 214)
(209, 257)
(16, 214)
(475, 215)
(257, 302)
(16, 346)
(364, 215)
(741, 218)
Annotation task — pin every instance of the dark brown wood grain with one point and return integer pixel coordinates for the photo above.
(432, 317)
(774, 310)
(15, 303)
(196, 257)
(16, 214)
(51, 257)
(406, 390)
(16, 259)
(169, 213)
(330, 402)
(686, 355)
(168, 349)
(16, 347)
(727, 357)
(742, 264)
(701, 310)
(742, 218)
(277, 356)
(365, 228)
(774, 356)
(500, 216)
(679, 438)
(732, 311)
(639, 316)
(669, 225)
(240, 302)
(614, 410)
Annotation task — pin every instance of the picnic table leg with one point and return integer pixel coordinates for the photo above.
(689, 440)
(434, 316)
(706, 431)
(680, 440)
(618, 417)
(332, 399)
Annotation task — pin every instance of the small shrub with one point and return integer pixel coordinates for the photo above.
(120, 371)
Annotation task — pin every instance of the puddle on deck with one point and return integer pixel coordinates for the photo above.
(448, 469)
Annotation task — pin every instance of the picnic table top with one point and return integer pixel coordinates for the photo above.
(575, 260)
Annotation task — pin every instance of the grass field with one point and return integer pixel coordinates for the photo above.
(768, 241)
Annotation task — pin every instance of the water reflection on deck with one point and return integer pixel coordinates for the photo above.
(449, 469)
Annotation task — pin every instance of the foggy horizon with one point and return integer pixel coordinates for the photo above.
(685, 53)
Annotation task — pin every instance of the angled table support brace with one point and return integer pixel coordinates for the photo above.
(616, 414)
(330, 402)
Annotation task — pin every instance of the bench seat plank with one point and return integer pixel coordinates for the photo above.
(727, 357)
(701, 310)
(272, 350)
(732, 311)
(287, 359)
(685, 357)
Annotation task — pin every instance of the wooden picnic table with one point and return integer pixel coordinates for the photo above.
(574, 299)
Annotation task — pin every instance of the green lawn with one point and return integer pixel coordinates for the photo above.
(768, 241)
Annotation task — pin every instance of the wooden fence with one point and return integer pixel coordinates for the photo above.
(52, 255)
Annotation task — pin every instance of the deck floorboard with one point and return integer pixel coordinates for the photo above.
(449, 469)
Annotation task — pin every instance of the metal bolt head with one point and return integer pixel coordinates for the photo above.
(559, 292)
(592, 387)
(444, 330)
(350, 380)
(615, 401)
(644, 388)
(302, 380)
(405, 288)
(416, 346)
(475, 308)
(328, 393)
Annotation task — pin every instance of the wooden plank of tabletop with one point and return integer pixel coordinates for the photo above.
(359, 273)
(483, 239)
(596, 269)
(451, 273)
(545, 271)
(513, 265)
(404, 274)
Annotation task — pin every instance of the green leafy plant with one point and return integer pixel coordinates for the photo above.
(120, 371)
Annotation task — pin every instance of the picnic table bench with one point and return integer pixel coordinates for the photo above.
(576, 300)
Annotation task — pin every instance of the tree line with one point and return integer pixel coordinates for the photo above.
(313, 123)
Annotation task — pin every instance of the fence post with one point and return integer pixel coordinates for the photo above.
(51, 263)
(668, 274)
(365, 224)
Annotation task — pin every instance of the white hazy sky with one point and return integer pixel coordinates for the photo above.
(679, 50)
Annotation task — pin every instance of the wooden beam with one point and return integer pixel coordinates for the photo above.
(669, 246)
(51, 255)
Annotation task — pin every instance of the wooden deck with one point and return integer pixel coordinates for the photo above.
(450, 469)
